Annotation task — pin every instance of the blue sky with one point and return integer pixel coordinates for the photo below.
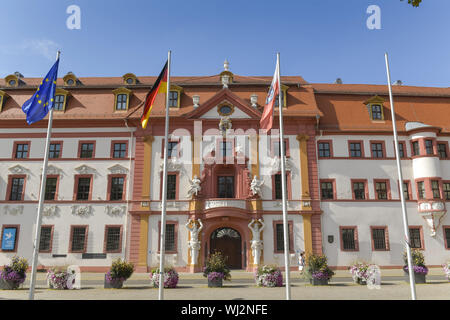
(318, 39)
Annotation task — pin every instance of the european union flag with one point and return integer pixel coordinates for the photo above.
(42, 101)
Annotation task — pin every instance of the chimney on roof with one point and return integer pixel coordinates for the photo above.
(398, 83)
(18, 74)
(338, 81)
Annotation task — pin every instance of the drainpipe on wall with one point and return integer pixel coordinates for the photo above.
(127, 220)
(318, 176)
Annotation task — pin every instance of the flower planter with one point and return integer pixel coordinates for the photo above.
(318, 282)
(8, 284)
(215, 283)
(361, 282)
(418, 277)
(114, 284)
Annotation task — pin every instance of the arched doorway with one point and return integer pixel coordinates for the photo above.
(228, 241)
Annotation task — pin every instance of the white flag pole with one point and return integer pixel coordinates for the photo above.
(400, 178)
(162, 242)
(41, 204)
(283, 185)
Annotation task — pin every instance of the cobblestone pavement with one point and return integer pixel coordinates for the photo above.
(242, 287)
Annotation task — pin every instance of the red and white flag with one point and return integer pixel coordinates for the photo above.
(267, 116)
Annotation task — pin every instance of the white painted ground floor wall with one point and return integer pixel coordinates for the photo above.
(63, 217)
(364, 215)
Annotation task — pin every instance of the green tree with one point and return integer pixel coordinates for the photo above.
(414, 3)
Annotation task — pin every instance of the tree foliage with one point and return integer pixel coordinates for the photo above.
(414, 3)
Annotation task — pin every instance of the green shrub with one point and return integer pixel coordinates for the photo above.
(317, 267)
(417, 258)
(216, 262)
(121, 269)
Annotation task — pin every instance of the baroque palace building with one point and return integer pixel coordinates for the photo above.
(104, 183)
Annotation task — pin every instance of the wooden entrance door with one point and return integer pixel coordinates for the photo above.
(228, 241)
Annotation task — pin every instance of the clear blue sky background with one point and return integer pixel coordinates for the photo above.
(318, 39)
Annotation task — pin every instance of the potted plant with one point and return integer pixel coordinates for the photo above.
(14, 274)
(60, 278)
(216, 270)
(119, 272)
(269, 276)
(317, 270)
(360, 272)
(419, 268)
(170, 277)
(446, 267)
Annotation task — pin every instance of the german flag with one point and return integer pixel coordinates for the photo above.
(160, 86)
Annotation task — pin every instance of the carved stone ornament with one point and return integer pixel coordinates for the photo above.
(118, 169)
(82, 211)
(170, 204)
(433, 220)
(275, 165)
(255, 186)
(84, 169)
(18, 169)
(115, 211)
(13, 210)
(172, 165)
(51, 169)
(225, 124)
(50, 211)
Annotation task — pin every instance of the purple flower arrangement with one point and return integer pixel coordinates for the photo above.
(8, 274)
(215, 276)
(447, 270)
(61, 280)
(417, 269)
(170, 278)
(269, 276)
(360, 272)
(321, 275)
(110, 279)
(15, 272)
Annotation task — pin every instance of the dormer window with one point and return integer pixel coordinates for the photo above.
(129, 79)
(12, 80)
(122, 99)
(70, 79)
(283, 96)
(175, 96)
(375, 108)
(60, 100)
(173, 99)
(376, 112)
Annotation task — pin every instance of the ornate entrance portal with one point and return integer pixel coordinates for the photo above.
(228, 241)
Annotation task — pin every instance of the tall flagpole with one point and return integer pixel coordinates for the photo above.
(41, 203)
(400, 178)
(283, 186)
(162, 242)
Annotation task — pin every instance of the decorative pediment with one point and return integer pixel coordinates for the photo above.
(13, 210)
(115, 211)
(118, 169)
(241, 109)
(82, 211)
(18, 169)
(374, 100)
(50, 211)
(51, 169)
(84, 169)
